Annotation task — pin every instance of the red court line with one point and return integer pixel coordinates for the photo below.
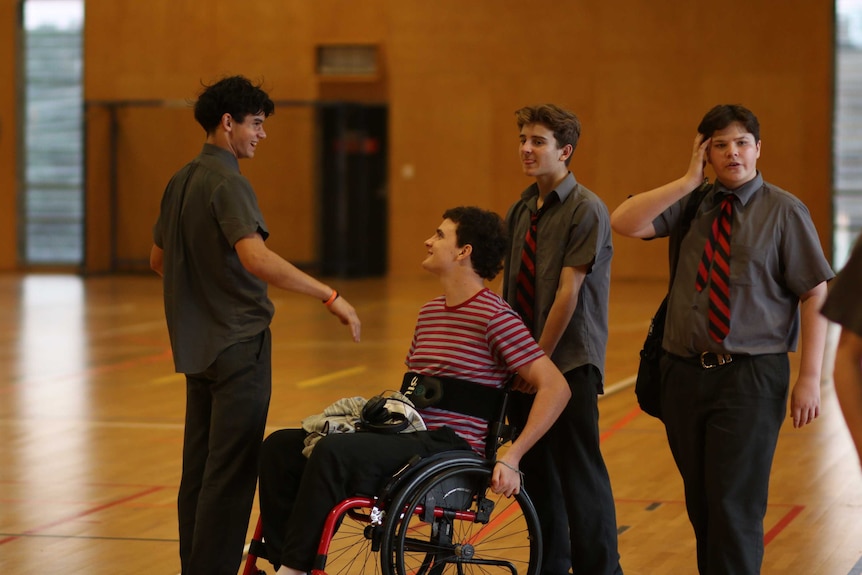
(82, 514)
(782, 523)
(776, 530)
(619, 425)
(649, 501)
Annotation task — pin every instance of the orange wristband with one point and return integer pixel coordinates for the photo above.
(332, 298)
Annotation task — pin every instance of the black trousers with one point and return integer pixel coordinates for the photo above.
(567, 480)
(297, 494)
(722, 426)
(226, 409)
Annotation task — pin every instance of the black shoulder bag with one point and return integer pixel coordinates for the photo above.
(648, 382)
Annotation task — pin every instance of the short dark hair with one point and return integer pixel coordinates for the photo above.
(564, 124)
(723, 115)
(486, 232)
(234, 95)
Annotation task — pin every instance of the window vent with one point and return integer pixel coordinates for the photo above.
(347, 60)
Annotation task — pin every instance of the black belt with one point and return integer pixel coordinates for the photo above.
(709, 359)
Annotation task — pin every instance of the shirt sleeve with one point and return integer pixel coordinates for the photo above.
(511, 342)
(665, 221)
(234, 206)
(590, 224)
(805, 266)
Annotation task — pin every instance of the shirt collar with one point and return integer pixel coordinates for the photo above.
(563, 190)
(744, 192)
(221, 155)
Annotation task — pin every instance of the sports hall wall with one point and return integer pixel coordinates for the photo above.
(639, 74)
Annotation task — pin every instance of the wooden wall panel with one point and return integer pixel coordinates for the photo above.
(98, 251)
(154, 142)
(441, 157)
(283, 173)
(346, 22)
(639, 77)
(164, 48)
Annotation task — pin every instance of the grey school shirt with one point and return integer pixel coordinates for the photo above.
(572, 233)
(211, 301)
(844, 305)
(775, 256)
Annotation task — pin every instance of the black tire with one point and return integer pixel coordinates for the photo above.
(507, 541)
(354, 547)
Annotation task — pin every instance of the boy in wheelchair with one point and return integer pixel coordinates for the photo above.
(467, 334)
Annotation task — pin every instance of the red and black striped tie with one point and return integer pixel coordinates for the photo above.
(526, 289)
(717, 253)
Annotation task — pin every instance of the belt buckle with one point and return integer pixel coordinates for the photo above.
(720, 359)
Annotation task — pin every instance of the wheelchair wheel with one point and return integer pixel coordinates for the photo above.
(353, 546)
(452, 523)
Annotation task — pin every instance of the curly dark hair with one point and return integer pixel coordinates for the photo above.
(234, 95)
(485, 232)
(723, 115)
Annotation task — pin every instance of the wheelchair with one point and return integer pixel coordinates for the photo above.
(435, 516)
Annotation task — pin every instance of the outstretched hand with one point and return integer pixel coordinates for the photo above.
(342, 309)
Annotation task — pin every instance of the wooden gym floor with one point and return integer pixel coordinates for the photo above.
(91, 419)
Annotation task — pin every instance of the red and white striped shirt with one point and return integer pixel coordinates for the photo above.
(481, 340)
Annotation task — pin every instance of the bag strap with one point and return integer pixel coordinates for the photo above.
(676, 237)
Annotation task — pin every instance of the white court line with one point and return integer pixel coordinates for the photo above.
(619, 386)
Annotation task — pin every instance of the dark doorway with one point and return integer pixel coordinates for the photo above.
(354, 205)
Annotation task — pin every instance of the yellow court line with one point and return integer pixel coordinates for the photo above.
(171, 378)
(315, 381)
